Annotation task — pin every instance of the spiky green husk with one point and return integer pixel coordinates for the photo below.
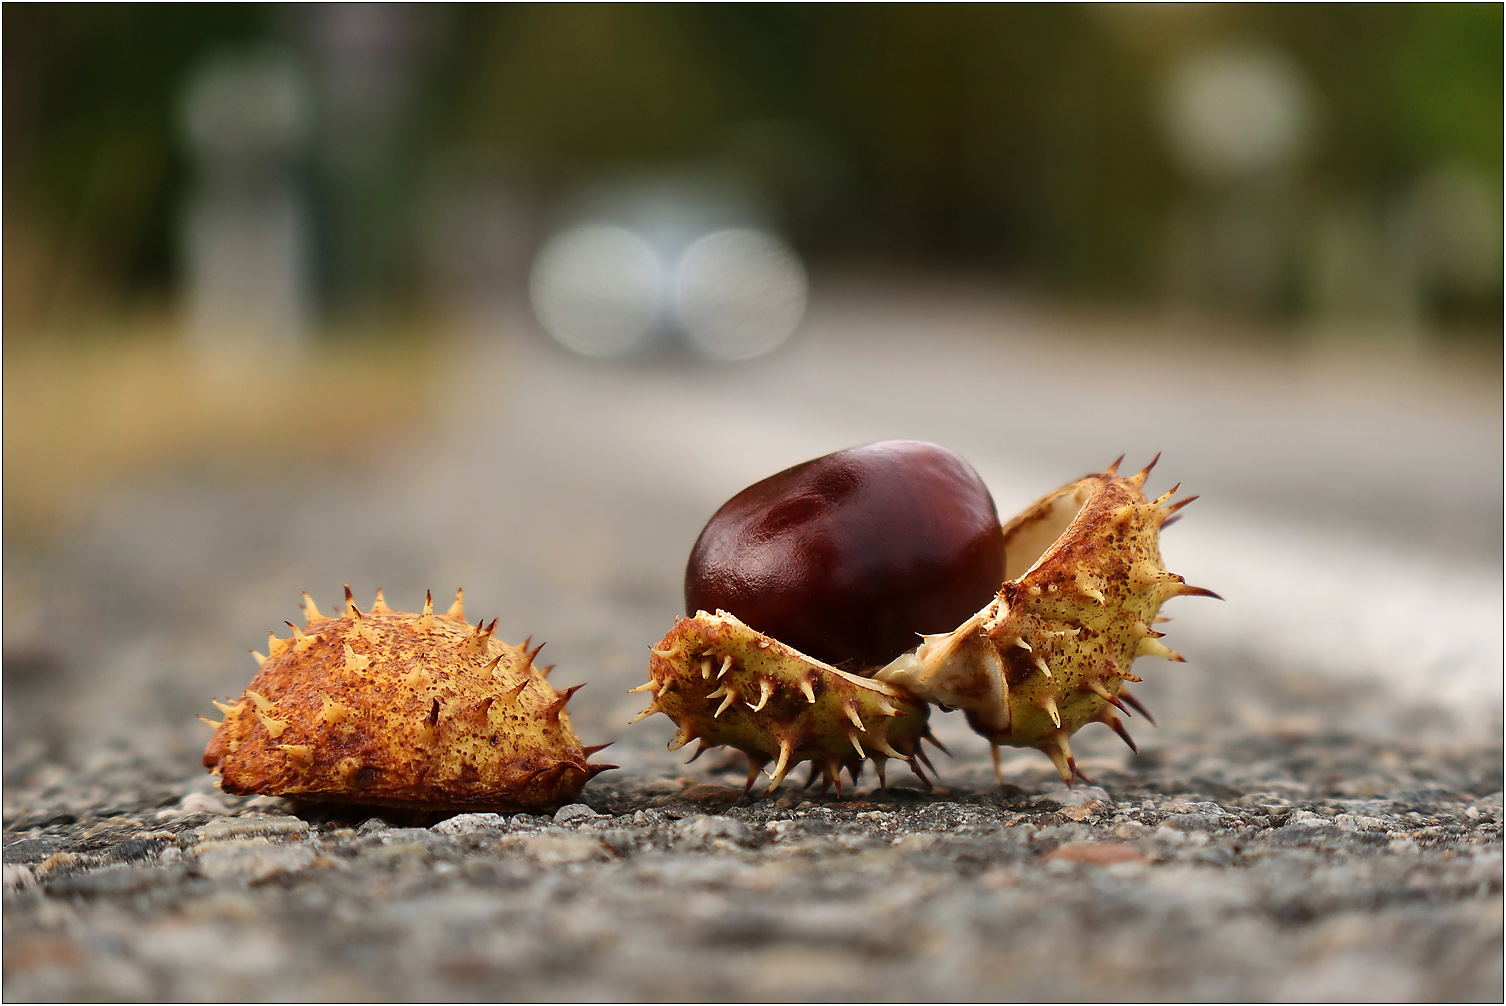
(722, 682)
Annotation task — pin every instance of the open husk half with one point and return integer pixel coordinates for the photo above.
(1053, 650)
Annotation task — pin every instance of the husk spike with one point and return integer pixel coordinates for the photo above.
(756, 762)
(1139, 477)
(311, 613)
(1136, 706)
(456, 610)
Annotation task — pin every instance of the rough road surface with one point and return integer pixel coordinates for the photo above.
(1317, 817)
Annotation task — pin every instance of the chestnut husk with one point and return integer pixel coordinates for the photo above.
(412, 710)
(1052, 650)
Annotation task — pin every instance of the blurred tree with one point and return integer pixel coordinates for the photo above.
(1024, 137)
(92, 162)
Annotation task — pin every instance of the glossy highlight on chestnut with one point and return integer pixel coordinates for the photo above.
(849, 556)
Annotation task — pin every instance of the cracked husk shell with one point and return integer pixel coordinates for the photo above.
(1052, 651)
(723, 682)
(393, 708)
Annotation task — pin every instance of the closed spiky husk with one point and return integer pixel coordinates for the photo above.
(1052, 651)
(393, 708)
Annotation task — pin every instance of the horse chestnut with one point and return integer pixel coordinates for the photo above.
(848, 557)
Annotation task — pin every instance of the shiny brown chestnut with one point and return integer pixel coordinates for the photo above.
(849, 556)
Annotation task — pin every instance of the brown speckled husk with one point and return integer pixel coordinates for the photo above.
(399, 709)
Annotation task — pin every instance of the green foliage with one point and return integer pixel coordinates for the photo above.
(91, 156)
(1026, 135)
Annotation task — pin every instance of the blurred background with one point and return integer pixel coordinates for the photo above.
(514, 297)
(1323, 164)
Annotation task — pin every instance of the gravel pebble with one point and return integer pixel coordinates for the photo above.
(556, 849)
(712, 832)
(252, 826)
(470, 824)
(15, 877)
(250, 859)
(574, 812)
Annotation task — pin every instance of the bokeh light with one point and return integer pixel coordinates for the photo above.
(740, 293)
(1237, 112)
(598, 290)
